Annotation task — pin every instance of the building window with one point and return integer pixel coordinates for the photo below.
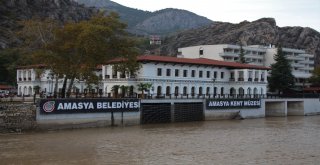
(222, 75)
(215, 74)
(159, 72)
(208, 74)
(176, 72)
(222, 91)
(200, 91)
(168, 72)
(200, 73)
(184, 91)
(185, 73)
(168, 90)
(192, 91)
(159, 93)
(201, 51)
(176, 91)
(193, 73)
(208, 91)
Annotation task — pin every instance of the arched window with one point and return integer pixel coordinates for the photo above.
(208, 91)
(176, 91)
(30, 91)
(222, 91)
(241, 91)
(261, 91)
(192, 91)
(215, 89)
(200, 91)
(255, 91)
(168, 90)
(249, 91)
(185, 91)
(159, 91)
(232, 91)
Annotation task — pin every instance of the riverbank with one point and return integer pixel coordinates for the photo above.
(17, 117)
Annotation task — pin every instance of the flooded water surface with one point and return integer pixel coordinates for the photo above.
(292, 140)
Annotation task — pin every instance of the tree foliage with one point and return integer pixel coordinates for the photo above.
(241, 55)
(77, 48)
(144, 86)
(281, 78)
(315, 78)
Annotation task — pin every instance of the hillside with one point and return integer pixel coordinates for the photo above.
(263, 31)
(162, 22)
(13, 11)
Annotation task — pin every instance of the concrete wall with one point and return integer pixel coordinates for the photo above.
(275, 108)
(311, 106)
(17, 117)
(295, 108)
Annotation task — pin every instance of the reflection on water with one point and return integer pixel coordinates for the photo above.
(292, 140)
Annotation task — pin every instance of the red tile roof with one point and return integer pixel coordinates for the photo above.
(6, 87)
(32, 66)
(197, 61)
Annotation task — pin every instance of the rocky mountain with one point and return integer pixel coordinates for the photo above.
(160, 22)
(263, 31)
(13, 11)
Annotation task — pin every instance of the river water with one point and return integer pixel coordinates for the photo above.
(291, 140)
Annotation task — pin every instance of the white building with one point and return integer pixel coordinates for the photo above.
(38, 76)
(169, 76)
(301, 62)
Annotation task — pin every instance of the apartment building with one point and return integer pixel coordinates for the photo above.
(302, 63)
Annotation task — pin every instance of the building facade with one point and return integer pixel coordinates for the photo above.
(169, 77)
(302, 63)
(37, 78)
(182, 77)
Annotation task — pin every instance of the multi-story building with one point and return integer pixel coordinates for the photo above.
(31, 77)
(302, 63)
(189, 77)
(169, 76)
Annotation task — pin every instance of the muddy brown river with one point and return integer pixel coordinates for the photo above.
(291, 140)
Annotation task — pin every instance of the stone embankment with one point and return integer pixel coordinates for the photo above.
(17, 117)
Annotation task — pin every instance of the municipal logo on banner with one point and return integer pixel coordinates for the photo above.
(48, 106)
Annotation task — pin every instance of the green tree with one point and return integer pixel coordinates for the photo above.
(124, 90)
(315, 78)
(144, 86)
(75, 49)
(281, 78)
(115, 90)
(241, 55)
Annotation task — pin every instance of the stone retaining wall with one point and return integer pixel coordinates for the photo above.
(17, 117)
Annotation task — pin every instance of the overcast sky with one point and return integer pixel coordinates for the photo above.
(305, 13)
